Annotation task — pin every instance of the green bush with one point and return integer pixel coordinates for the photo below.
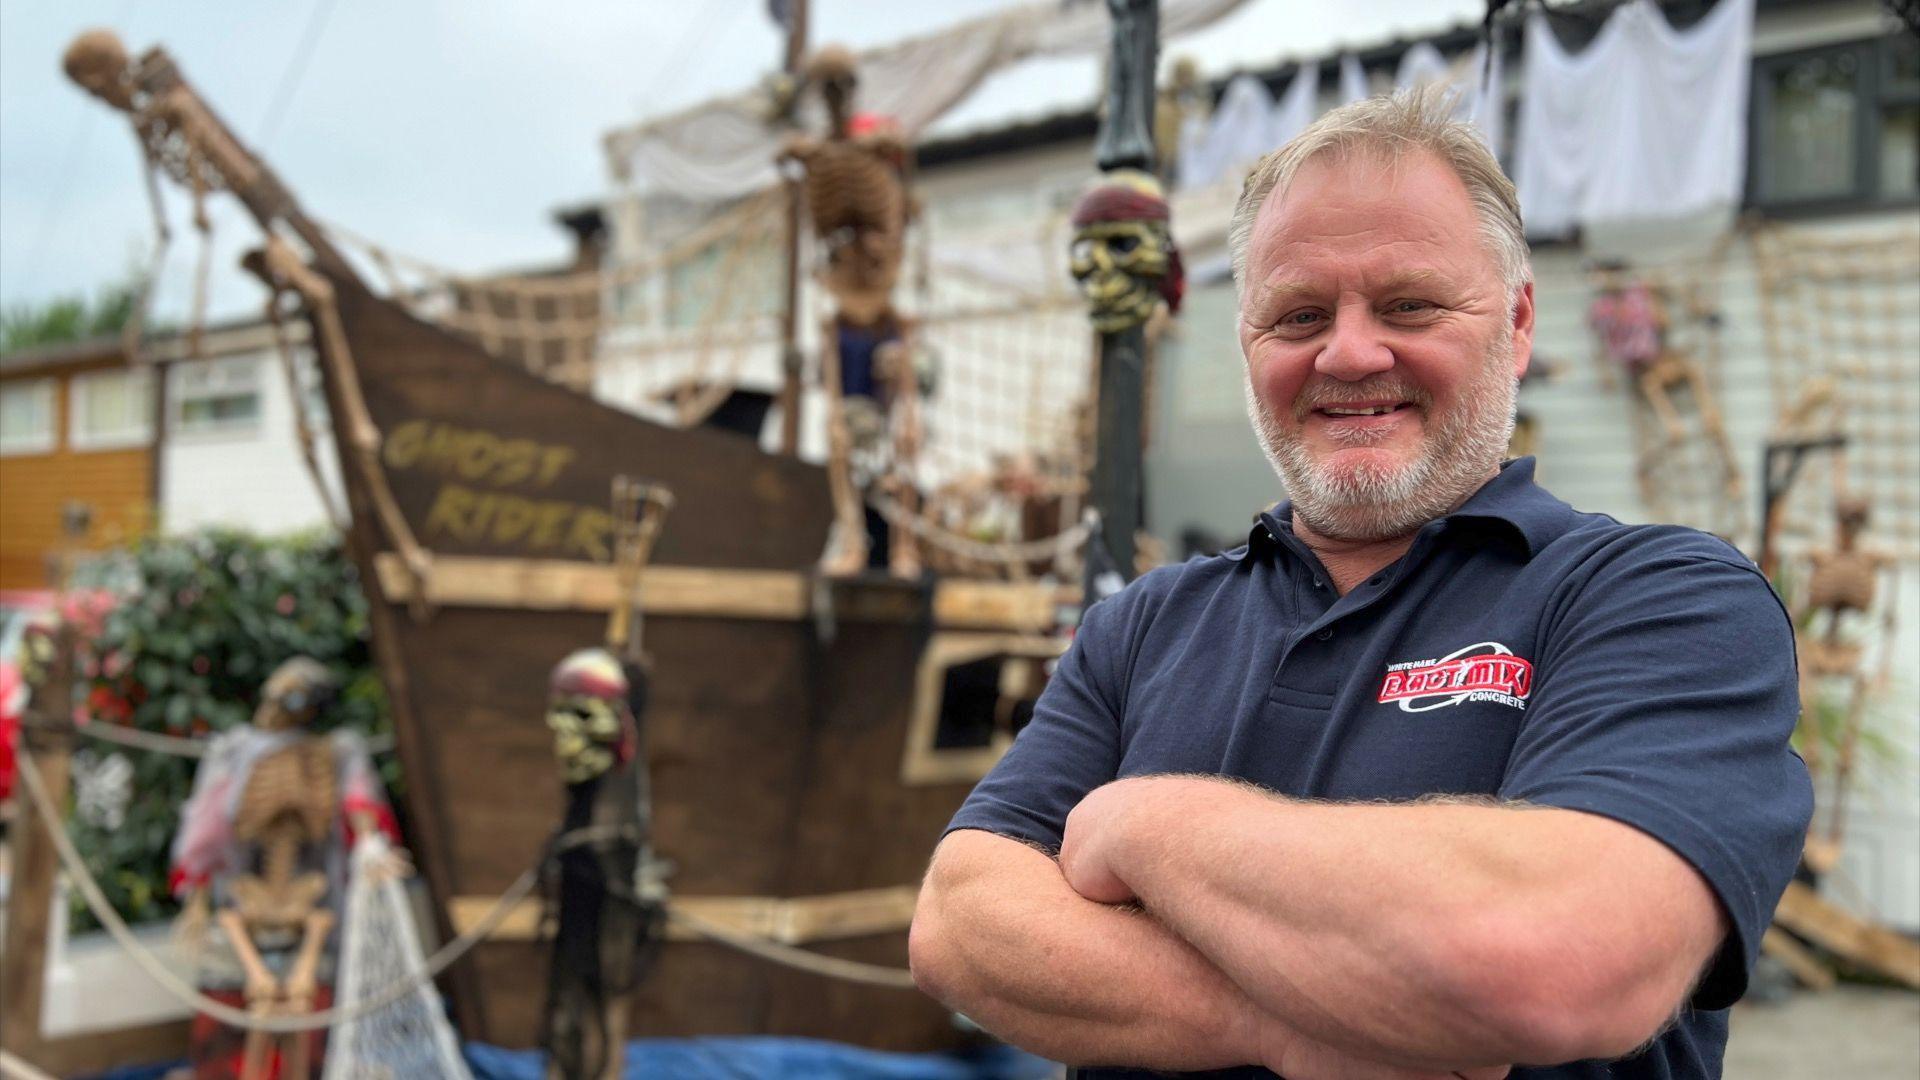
(202, 619)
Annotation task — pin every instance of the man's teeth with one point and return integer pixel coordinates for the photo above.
(1374, 411)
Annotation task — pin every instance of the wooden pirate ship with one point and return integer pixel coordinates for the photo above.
(807, 736)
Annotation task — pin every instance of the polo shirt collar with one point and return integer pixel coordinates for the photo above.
(1511, 502)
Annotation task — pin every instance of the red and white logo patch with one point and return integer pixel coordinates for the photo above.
(1487, 671)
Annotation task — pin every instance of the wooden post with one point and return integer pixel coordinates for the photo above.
(46, 733)
(792, 362)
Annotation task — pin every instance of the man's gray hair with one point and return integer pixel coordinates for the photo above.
(1393, 127)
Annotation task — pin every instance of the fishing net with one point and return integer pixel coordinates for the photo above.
(1842, 320)
(379, 949)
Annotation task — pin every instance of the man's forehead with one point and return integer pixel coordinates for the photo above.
(1415, 202)
(1293, 280)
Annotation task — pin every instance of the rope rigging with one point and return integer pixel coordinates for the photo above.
(484, 927)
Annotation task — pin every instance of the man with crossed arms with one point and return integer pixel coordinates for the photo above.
(1436, 776)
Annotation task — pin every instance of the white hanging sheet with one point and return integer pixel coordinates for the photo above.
(1237, 134)
(1649, 123)
(1353, 80)
(1297, 108)
(1478, 99)
(725, 148)
(1245, 126)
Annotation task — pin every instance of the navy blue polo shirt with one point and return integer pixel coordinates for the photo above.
(1519, 649)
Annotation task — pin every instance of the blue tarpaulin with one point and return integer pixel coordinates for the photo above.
(745, 1057)
(757, 1057)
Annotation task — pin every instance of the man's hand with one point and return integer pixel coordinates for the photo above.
(1093, 830)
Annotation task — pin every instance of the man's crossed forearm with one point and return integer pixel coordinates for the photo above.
(1001, 937)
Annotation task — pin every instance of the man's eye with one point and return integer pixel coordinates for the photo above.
(1410, 307)
(1304, 319)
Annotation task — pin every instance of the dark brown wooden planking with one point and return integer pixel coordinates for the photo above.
(775, 758)
(735, 506)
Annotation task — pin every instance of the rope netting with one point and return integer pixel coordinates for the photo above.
(1842, 323)
(687, 314)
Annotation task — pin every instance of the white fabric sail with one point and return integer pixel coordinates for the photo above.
(1647, 124)
(725, 148)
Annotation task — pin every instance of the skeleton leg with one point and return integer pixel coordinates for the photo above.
(616, 1033)
(300, 993)
(847, 554)
(262, 988)
(1653, 386)
(903, 546)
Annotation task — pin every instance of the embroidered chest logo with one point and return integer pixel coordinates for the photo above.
(1488, 671)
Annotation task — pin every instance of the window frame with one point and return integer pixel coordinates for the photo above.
(1872, 97)
(179, 394)
(140, 434)
(45, 442)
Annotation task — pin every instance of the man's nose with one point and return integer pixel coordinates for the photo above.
(1354, 350)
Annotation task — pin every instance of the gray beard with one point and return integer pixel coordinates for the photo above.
(1370, 503)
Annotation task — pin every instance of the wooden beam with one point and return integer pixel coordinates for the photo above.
(560, 585)
(33, 861)
(1852, 939)
(797, 921)
(1000, 605)
(1797, 959)
(98, 1051)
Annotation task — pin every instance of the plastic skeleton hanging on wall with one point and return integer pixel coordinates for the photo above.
(263, 840)
(1843, 585)
(1631, 320)
(857, 198)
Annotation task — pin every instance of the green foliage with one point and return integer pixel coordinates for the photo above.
(184, 652)
(68, 318)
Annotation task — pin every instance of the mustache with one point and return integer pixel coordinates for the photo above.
(1319, 395)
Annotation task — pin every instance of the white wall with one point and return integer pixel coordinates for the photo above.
(1587, 458)
(251, 476)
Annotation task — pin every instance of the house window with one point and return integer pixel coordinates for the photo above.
(216, 395)
(1838, 125)
(110, 410)
(26, 417)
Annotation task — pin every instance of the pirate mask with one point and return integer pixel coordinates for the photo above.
(587, 713)
(1123, 254)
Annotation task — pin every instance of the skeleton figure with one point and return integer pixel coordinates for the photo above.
(604, 914)
(1123, 254)
(263, 838)
(856, 194)
(1843, 582)
(857, 198)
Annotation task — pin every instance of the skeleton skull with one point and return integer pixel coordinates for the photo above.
(1123, 254)
(587, 713)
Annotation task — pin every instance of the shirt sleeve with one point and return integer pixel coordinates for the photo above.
(1664, 697)
(1072, 744)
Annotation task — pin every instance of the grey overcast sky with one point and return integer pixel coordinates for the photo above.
(449, 130)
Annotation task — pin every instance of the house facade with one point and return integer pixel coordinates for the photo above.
(77, 457)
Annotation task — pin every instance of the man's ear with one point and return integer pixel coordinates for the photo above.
(1522, 329)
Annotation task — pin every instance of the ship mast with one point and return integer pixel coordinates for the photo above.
(791, 360)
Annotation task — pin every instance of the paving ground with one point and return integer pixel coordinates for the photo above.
(1851, 1032)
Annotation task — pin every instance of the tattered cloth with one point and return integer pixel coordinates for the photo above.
(1119, 202)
